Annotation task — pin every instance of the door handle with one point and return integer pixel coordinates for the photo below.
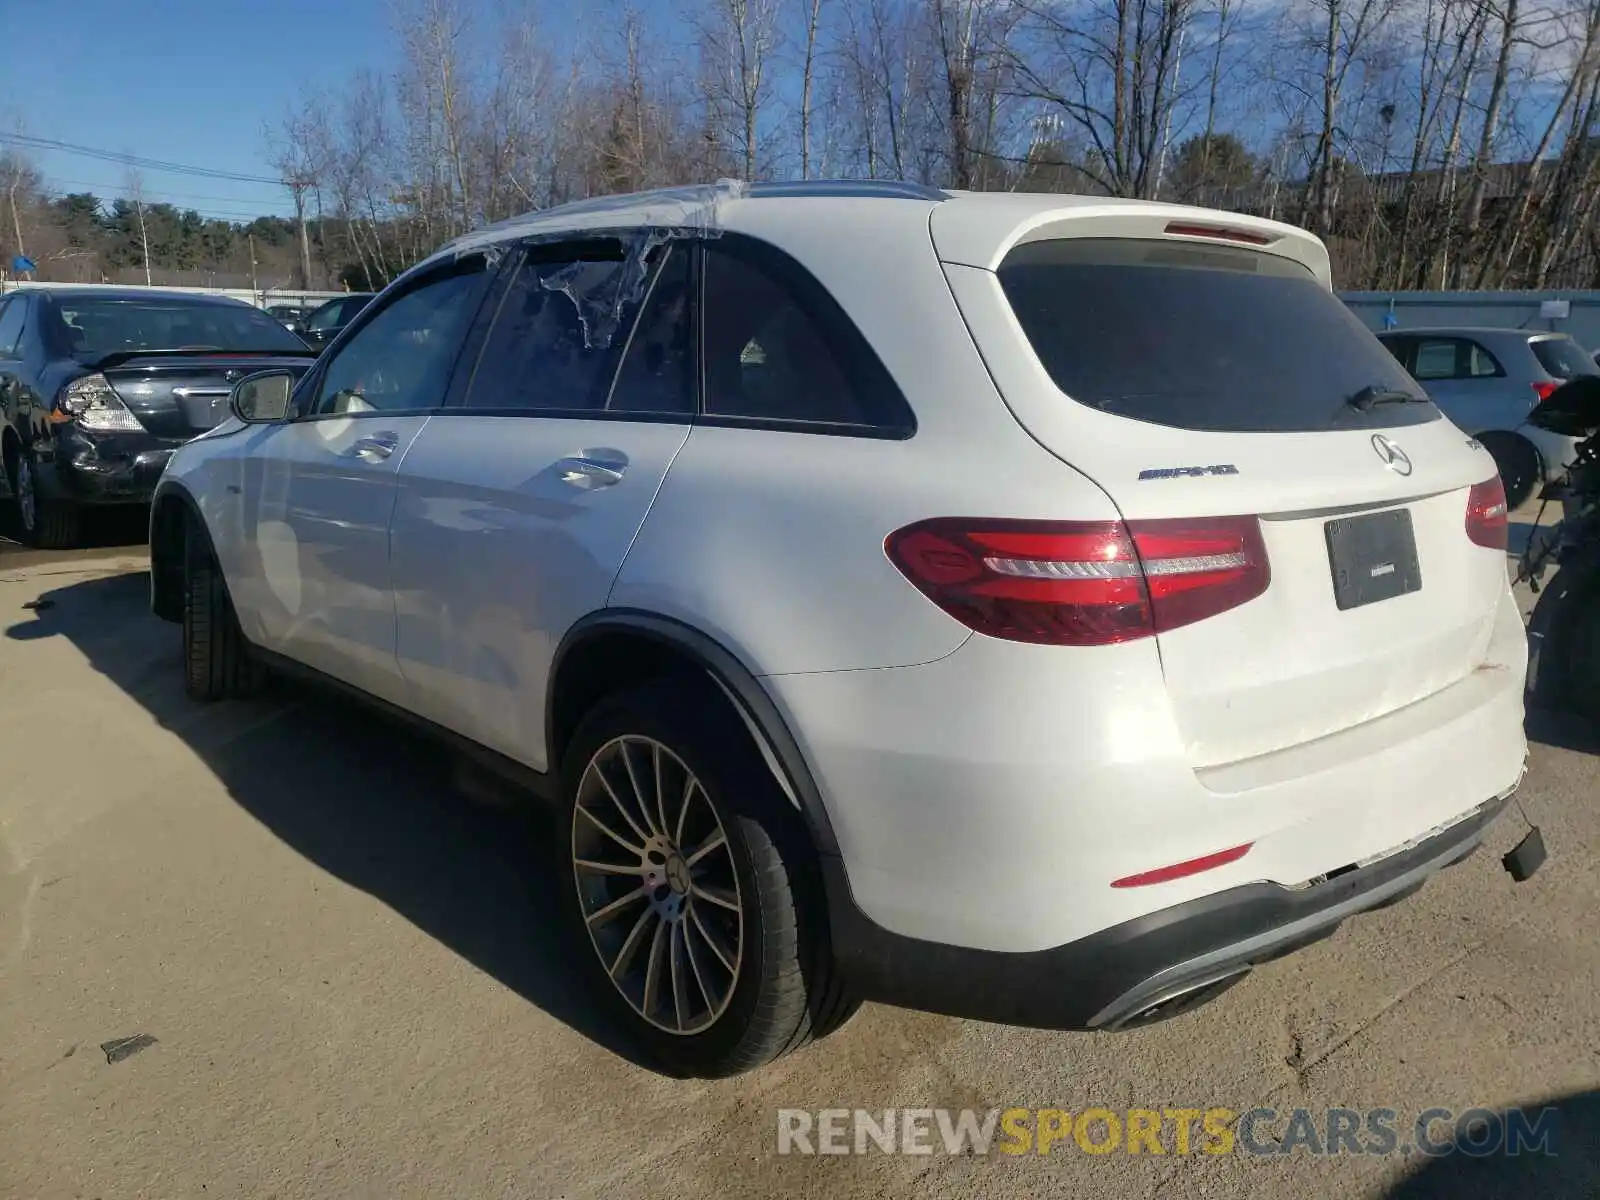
(377, 445)
(590, 472)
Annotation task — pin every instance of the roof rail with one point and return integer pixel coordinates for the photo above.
(887, 189)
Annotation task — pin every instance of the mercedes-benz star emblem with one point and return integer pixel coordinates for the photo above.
(1393, 457)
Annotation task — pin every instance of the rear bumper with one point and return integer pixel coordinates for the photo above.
(118, 468)
(1152, 967)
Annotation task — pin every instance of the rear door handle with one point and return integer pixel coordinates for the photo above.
(376, 445)
(583, 472)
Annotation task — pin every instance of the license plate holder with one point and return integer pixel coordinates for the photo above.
(1373, 557)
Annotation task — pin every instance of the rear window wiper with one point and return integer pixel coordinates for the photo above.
(1375, 394)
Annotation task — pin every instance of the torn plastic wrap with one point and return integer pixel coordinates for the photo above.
(693, 211)
(653, 218)
(602, 310)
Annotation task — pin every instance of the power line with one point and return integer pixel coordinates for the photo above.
(233, 218)
(132, 160)
(109, 188)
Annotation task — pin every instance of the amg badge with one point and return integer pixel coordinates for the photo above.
(1187, 472)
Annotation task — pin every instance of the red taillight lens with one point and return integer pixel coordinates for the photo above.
(1071, 583)
(1543, 388)
(1487, 517)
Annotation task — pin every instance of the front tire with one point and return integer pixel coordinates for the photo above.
(217, 661)
(689, 886)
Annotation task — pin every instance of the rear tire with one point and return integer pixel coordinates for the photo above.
(44, 524)
(756, 978)
(1517, 460)
(217, 660)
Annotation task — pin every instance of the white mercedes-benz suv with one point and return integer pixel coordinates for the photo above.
(1034, 608)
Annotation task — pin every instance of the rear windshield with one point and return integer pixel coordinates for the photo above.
(1201, 337)
(1563, 357)
(97, 326)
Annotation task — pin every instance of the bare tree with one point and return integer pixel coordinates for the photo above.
(808, 74)
(740, 38)
(1109, 67)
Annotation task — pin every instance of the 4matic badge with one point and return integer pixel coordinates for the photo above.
(1187, 472)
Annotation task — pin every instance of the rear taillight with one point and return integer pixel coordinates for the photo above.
(1072, 583)
(1543, 388)
(1486, 514)
(93, 403)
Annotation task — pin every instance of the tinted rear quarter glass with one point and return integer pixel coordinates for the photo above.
(1562, 357)
(1200, 338)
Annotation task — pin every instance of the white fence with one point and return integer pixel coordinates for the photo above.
(260, 299)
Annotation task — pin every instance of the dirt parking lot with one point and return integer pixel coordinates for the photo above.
(346, 969)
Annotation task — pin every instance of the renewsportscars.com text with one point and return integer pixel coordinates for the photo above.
(1433, 1132)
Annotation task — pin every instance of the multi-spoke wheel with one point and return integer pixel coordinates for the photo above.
(705, 937)
(657, 884)
(45, 523)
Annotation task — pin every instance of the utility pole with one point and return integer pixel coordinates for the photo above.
(16, 218)
(144, 239)
(298, 186)
(254, 286)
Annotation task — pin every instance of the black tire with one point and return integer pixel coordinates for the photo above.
(1564, 642)
(44, 524)
(1517, 460)
(786, 991)
(217, 662)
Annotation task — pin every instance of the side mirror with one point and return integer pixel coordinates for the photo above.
(262, 398)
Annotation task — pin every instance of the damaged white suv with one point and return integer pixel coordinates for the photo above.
(1027, 607)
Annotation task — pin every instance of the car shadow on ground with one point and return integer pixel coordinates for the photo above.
(362, 797)
(1482, 1165)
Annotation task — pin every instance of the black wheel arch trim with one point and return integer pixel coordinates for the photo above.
(750, 700)
(169, 489)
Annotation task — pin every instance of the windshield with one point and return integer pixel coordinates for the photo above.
(1200, 338)
(97, 326)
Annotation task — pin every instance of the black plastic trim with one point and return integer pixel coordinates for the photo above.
(1106, 980)
(740, 683)
(891, 433)
(573, 414)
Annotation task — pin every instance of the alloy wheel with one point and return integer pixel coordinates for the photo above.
(27, 502)
(657, 885)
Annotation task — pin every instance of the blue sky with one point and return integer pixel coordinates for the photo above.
(184, 81)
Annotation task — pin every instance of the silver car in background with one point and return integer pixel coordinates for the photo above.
(1487, 381)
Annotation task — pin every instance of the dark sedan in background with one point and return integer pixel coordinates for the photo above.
(328, 318)
(99, 386)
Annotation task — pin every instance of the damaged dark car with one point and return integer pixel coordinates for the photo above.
(99, 385)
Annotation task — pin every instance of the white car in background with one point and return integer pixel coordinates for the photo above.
(1487, 381)
(1026, 607)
